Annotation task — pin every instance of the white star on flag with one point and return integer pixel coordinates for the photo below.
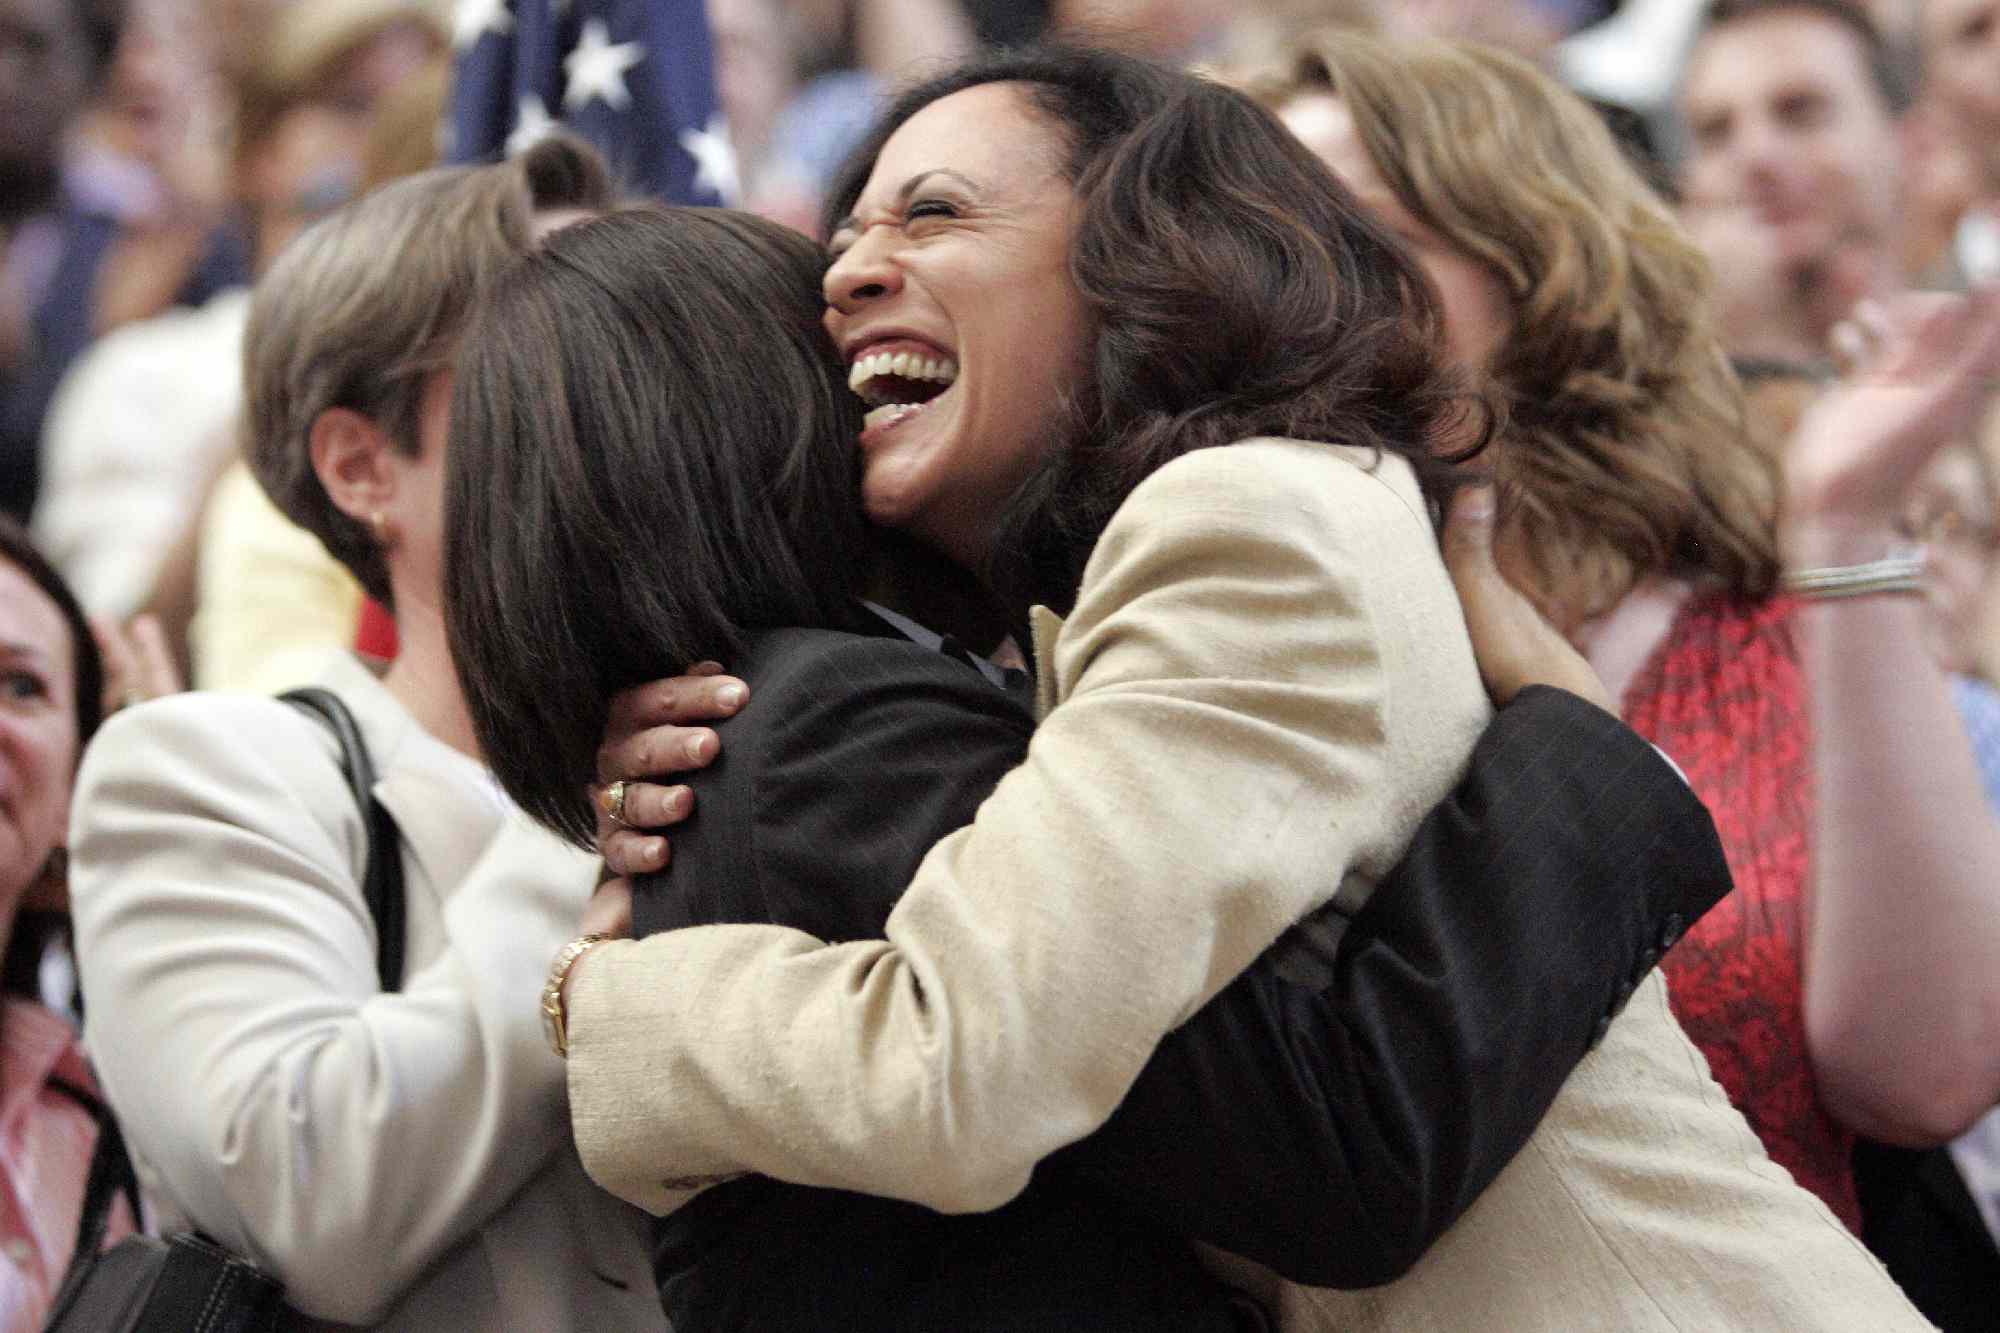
(532, 126)
(715, 160)
(596, 68)
(475, 18)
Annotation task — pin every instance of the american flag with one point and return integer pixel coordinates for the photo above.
(634, 77)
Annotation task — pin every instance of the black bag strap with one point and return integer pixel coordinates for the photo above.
(110, 1175)
(111, 1170)
(382, 879)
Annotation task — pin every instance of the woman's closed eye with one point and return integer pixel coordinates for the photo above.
(930, 208)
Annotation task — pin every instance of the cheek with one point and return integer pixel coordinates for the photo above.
(49, 747)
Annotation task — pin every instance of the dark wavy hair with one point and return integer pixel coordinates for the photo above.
(1237, 290)
(651, 455)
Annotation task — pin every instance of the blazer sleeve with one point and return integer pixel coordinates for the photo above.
(342, 1137)
(1223, 755)
(1400, 1065)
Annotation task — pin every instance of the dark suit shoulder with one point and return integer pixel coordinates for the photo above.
(820, 669)
(854, 756)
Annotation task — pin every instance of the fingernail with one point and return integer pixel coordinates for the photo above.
(698, 748)
(679, 799)
(730, 696)
(656, 850)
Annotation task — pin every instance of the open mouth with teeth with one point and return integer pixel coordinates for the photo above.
(898, 385)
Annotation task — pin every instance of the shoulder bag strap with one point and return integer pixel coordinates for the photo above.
(382, 881)
(110, 1175)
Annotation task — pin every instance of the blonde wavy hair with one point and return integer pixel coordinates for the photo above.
(1625, 451)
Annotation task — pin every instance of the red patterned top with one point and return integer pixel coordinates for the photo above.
(1723, 694)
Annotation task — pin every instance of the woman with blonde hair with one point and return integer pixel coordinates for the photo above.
(1842, 989)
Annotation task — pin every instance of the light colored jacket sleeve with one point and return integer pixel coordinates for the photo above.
(342, 1137)
(1227, 744)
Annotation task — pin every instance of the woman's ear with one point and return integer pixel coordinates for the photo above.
(352, 456)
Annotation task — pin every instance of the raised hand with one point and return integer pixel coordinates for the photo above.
(1918, 367)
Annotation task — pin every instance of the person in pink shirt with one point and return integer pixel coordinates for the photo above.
(51, 700)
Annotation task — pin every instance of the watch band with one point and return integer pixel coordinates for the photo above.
(555, 1023)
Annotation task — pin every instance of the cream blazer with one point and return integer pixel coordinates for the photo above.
(400, 1160)
(1265, 681)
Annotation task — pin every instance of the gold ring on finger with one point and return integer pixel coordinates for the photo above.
(614, 803)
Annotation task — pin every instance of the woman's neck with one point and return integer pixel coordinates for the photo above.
(1622, 641)
(908, 577)
(1619, 641)
(423, 678)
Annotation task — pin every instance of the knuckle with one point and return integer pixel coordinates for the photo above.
(616, 848)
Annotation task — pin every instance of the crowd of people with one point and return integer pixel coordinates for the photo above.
(1204, 666)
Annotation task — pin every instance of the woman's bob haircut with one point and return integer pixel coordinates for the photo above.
(1237, 289)
(651, 455)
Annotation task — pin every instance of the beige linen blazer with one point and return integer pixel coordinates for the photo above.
(400, 1160)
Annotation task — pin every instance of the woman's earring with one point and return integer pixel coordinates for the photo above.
(379, 523)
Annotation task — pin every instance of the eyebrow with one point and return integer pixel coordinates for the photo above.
(910, 187)
(9, 648)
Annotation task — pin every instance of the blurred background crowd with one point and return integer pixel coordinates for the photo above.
(157, 155)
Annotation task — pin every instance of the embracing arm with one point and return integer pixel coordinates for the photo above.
(1333, 1110)
(343, 1137)
(1186, 802)
(1399, 1065)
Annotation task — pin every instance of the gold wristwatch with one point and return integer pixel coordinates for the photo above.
(555, 1024)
